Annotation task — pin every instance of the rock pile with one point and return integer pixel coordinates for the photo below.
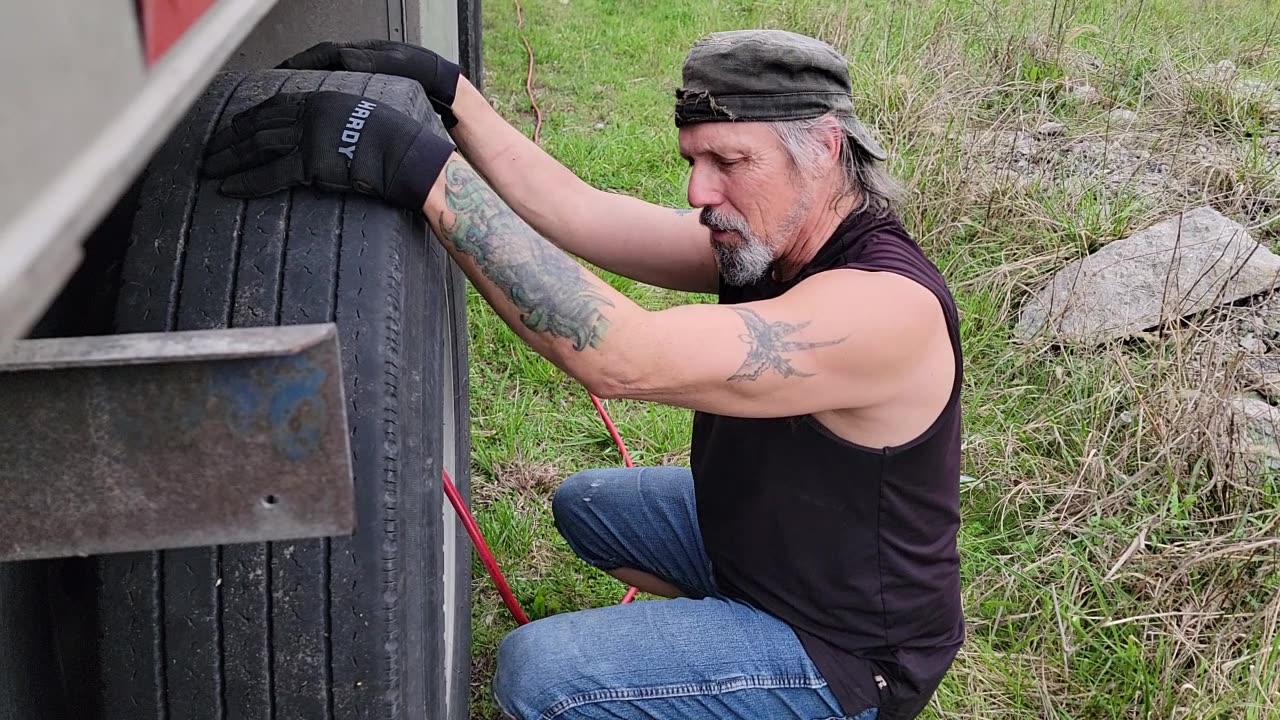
(1123, 151)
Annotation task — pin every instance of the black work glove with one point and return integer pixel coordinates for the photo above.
(330, 140)
(437, 76)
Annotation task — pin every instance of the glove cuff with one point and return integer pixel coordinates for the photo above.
(447, 74)
(418, 170)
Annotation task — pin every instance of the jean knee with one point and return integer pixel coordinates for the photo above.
(566, 503)
(509, 682)
(520, 680)
(578, 521)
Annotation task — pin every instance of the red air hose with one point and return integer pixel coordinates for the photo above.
(490, 562)
(486, 555)
(626, 457)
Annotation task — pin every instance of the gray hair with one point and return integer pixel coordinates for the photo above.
(804, 142)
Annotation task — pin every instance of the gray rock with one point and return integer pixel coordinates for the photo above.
(1166, 271)
(1257, 434)
(1121, 116)
(1258, 91)
(1221, 72)
(1051, 129)
(1253, 88)
(1262, 374)
(1006, 180)
(1085, 93)
(1023, 143)
(1252, 344)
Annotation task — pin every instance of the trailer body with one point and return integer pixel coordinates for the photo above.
(95, 95)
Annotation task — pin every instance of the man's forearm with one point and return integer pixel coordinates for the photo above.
(621, 234)
(562, 310)
(524, 175)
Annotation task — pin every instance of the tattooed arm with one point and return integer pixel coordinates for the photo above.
(825, 345)
(625, 235)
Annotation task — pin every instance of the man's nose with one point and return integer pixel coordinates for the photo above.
(704, 188)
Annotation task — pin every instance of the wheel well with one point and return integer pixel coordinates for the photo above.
(84, 305)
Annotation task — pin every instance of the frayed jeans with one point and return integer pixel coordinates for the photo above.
(702, 656)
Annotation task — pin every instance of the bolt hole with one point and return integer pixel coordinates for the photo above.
(270, 501)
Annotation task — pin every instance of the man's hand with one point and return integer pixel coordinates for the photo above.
(330, 140)
(437, 76)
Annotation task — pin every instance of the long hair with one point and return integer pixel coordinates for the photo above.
(805, 144)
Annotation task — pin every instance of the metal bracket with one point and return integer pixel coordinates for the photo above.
(177, 439)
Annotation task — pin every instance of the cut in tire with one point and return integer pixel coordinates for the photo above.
(375, 625)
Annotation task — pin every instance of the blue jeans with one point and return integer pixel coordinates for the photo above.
(700, 656)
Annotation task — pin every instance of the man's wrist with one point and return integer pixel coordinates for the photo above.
(466, 100)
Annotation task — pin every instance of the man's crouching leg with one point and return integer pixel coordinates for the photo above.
(681, 658)
(639, 525)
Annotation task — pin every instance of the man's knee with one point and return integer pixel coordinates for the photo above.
(573, 494)
(512, 684)
(581, 508)
(529, 666)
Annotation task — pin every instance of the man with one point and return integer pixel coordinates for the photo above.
(810, 551)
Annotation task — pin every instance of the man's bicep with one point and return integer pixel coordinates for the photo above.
(821, 347)
(746, 360)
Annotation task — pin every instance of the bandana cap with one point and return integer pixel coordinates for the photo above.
(767, 75)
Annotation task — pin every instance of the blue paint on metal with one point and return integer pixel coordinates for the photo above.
(233, 383)
(297, 408)
(277, 397)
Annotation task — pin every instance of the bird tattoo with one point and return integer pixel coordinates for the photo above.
(768, 341)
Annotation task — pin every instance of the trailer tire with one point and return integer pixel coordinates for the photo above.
(374, 625)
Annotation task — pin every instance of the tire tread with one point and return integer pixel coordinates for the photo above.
(337, 628)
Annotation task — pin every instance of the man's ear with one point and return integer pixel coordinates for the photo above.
(834, 141)
(832, 145)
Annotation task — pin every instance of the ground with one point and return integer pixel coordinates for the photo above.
(1114, 565)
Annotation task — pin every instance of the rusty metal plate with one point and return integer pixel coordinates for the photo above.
(177, 439)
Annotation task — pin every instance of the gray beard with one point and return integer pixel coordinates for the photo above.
(747, 262)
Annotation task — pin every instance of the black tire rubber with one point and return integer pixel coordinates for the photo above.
(458, 465)
(28, 666)
(336, 628)
(471, 41)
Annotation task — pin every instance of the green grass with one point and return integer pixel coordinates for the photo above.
(1077, 452)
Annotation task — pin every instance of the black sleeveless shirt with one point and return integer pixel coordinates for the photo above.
(854, 547)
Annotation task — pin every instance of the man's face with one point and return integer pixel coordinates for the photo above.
(752, 198)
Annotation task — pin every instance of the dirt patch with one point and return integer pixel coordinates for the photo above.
(1141, 163)
(1192, 135)
(521, 477)
(1242, 343)
(1254, 326)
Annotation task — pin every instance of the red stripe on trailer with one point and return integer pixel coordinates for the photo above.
(164, 21)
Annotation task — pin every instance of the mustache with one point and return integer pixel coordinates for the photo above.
(723, 223)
